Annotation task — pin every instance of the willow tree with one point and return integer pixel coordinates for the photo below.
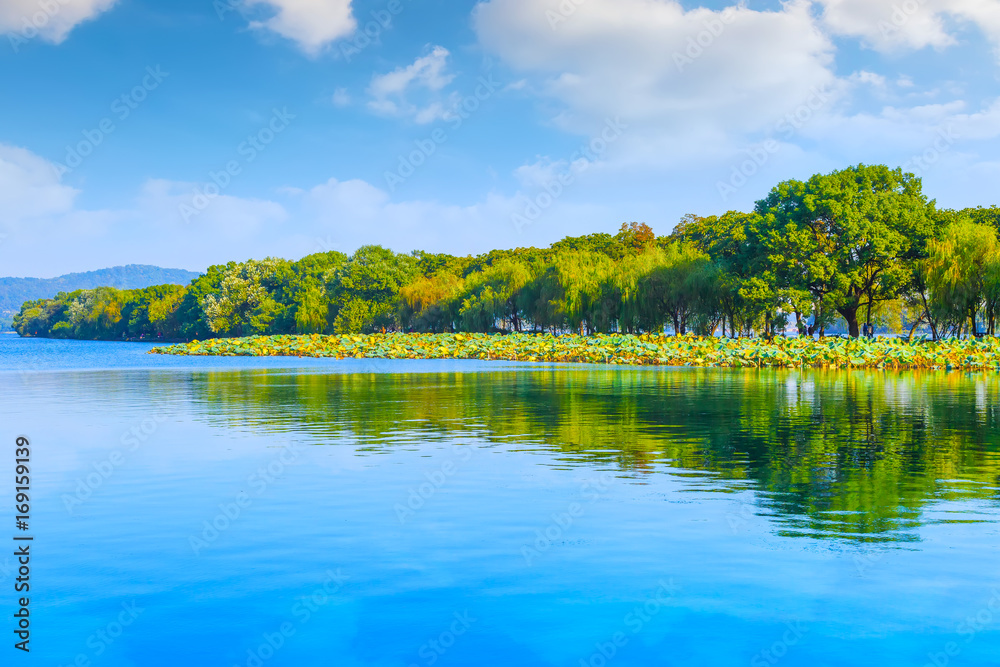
(494, 295)
(962, 274)
(746, 287)
(629, 273)
(430, 303)
(674, 289)
(571, 291)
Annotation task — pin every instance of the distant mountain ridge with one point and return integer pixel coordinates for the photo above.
(15, 291)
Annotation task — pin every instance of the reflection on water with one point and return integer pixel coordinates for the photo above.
(853, 456)
(760, 518)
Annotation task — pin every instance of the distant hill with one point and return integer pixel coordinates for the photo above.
(15, 291)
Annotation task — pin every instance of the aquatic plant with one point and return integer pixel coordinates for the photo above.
(622, 349)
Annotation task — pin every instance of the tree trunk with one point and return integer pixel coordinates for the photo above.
(928, 317)
(851, 315)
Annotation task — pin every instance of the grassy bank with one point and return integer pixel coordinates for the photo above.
(617, 349)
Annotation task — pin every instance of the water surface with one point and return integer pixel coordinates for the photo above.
(466, 513)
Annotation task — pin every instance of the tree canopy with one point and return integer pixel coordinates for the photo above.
(862, 245)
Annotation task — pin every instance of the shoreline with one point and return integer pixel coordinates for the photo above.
(617, 349)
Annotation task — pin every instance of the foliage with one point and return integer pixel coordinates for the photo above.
(16, 291)
(656, 350)
(846, 237)
(963, 272)
(104, 313)
(862, 245)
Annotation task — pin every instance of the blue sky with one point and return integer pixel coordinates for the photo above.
(461, 126)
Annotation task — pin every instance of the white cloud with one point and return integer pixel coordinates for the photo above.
(30, 186)
(895, 25)
(391, 92)
(917, 138)
(51, 20)
(341, 98)
(869, 78)
(354, 213)
(45, 233)
(689, 83)
(312, 24)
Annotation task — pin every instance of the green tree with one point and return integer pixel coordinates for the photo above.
(430, 303)
(494, 296)
(245, 302)
(848, 237)
(962, 273)
(366, 289)
(672, 291)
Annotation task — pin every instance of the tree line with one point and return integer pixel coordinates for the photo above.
(859, 246)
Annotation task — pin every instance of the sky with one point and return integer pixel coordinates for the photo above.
(196, 132)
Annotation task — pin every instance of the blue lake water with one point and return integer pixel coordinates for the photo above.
(203, 511)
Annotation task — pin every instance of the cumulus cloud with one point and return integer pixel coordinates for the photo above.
(312, 24)
(30, 186)
(869, 78)
(44, 232)
(687, 81)
(426, 77)
(896, 25)
(52, 20)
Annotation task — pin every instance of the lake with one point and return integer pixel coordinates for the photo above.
(277, 511)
